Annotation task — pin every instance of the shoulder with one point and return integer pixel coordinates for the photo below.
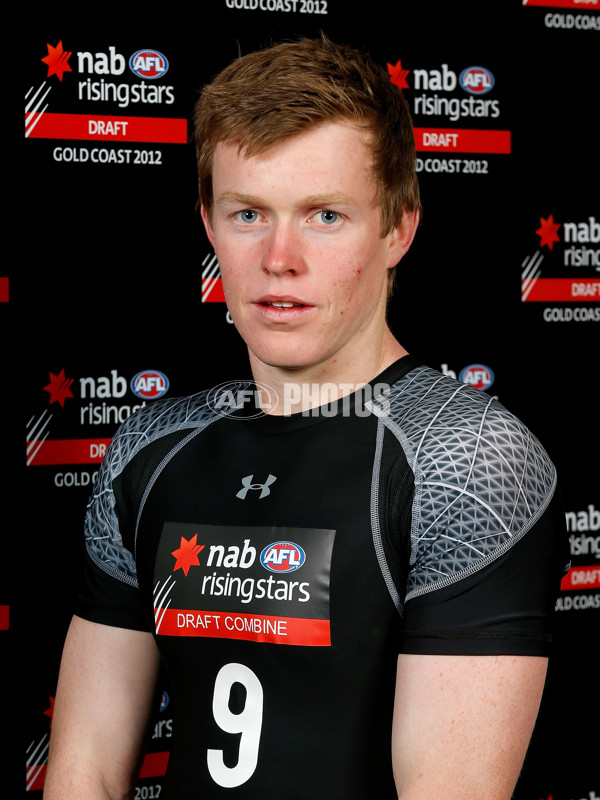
(481, 478)
(424, 396)
(163, 418)
(107, 521)
(439, 417)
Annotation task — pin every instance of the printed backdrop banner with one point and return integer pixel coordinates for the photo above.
(119, 299)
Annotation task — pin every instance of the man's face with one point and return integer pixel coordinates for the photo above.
(298, 238)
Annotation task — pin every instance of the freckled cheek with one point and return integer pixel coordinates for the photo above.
(347, 288)
(353, 273)
(233, 264)
(243, 262)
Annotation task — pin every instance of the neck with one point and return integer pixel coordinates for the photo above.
(301, 388)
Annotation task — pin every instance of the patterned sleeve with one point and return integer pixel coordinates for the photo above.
(110, 591)
(482, 482)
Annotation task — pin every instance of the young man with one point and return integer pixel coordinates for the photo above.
(350, 580)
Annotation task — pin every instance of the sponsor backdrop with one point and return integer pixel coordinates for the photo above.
(119, 300)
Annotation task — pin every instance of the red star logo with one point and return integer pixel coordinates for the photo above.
(59, 388)
(49, 712)
(186, 555)
(57, 59)
(548, 232)
(398, 75)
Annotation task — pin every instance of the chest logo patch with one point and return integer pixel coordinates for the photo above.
(261, 584)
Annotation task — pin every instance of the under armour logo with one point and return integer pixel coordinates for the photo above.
(264, 487)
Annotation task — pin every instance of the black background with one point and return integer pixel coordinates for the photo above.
(109, 278)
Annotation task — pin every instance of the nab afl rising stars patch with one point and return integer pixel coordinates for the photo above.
(261, 584)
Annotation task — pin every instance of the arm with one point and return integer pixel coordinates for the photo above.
(462, 724)
(103, 705)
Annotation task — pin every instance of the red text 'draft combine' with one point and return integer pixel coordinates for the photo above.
(251, 627)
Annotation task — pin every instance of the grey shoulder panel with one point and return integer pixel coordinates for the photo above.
(104, 543)
(481, 478)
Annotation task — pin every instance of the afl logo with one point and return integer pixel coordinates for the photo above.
(150, 384)
(282, 557)
(478, 376)
(255, 399)
(148, 64)
(476, 80)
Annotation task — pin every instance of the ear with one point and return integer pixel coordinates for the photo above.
(401, 236)
(207, 224)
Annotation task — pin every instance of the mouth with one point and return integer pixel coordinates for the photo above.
(281, 304)
(281, 308)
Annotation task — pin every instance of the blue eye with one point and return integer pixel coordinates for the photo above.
(248, 215)
(328, 217)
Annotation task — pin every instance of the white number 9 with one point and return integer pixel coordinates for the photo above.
(248, 722)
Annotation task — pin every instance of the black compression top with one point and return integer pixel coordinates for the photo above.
(284, 562)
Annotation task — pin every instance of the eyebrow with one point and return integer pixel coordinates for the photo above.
(228, 198)
(320, 200)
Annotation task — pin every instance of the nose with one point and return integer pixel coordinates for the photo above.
(283, 250)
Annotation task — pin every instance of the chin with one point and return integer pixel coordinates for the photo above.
(288, 357)
(288, 361)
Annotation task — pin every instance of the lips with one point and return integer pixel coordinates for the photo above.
(281, 309)
(282, 302)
